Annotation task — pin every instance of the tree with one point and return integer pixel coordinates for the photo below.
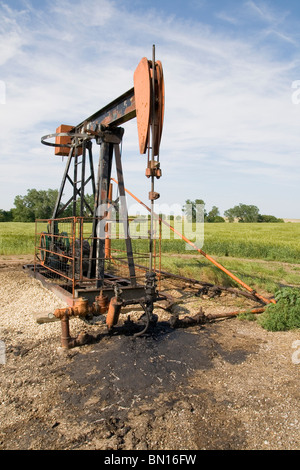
(230, 214)
(218, 219)
(89, 199)
(39, 204)
(6, 216)
(36, 204)
(243, 212)
(214, 215)
(194, 210)
(269, 219)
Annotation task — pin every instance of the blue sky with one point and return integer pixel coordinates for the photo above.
(232, 122)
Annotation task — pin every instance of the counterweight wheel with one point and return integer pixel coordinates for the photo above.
(143, 100)
(44, 247)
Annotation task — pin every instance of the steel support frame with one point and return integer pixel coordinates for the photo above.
(77, 190)
(110, 142)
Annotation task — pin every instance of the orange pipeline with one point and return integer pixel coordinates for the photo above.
(209, 258)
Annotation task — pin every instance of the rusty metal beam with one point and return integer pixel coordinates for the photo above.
(114, 114)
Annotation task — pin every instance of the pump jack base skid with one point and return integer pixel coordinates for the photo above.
(63, 291)
(133, 297)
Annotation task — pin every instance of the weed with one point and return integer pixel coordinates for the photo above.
(249, 316)
(285, 314)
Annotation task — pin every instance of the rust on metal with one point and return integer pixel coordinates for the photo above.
(153, 195)
(143, 99)
(67, 342)
(102, 301)
(142, 93)
(80, 309)
(62, 140)
(113, 313)
(65, 332)
(160, 106)
(114, 114)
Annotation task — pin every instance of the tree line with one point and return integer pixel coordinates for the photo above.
(36, 204)
(39, 204)
(243, 213)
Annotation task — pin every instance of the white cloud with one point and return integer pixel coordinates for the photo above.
(227, 101)
(225, 17)
(97, 13)
(264, 12)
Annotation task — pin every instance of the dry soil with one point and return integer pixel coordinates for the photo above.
(224, 385)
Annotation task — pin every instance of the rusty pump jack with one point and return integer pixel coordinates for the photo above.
(145, 102)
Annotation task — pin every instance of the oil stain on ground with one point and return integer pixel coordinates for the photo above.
(120, 370)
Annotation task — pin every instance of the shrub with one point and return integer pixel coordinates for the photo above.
(285, 314)
(248, 316)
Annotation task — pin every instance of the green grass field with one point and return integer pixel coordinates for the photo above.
(16, 238)
(271, 242)
(262, 255)
(275, 242)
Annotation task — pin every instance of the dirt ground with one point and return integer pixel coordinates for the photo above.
(224, 385)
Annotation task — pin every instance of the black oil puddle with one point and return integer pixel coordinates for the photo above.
(120, 371)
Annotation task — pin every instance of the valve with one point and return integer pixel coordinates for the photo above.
(153, 169)
(114, 308)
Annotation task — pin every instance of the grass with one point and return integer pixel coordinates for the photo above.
(271, 242)
(262, 255)
(258, 274)
(275, 242)
(16, 238)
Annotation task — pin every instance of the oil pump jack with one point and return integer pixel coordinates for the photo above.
(74, 261)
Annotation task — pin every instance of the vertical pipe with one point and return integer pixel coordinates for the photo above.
(106, 155)
(75, 180)
(36, 248)
(108, 229)
(96, 188)
(82, 178)
(74, 254)
(80, 221)
(152, 160)
(124, 214)
(154, 246)
(159, 276)
(89, 146)
(81, 247)
(65, 332)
